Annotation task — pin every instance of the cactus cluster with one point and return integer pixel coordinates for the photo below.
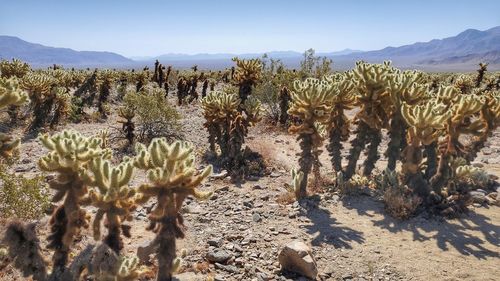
(86, 176)
(10, 95)
(228, 127)
(172, 177)
(311, 103)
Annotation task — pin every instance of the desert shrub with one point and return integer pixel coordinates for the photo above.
(155, 117)
(401, 203)
(22, 197)
(268, 93)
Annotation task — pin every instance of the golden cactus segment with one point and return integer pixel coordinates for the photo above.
(11, 93)
(406, 87)
(112, 195)
(371, 86)
(217, 105)
(311, 101)
(426, 121)
(14, 68)
(247, 70)
(70, 151)
(170, 168)
(37, 84)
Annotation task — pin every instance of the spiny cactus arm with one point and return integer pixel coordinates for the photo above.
(11, 93)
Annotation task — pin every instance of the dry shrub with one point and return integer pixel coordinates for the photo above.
(286, 198)
(400, 203)
(20, 197)
(202, 267)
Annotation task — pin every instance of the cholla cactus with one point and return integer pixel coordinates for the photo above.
(110, 267)
(228, 127)
(338, 124)
(113, 198)
(373, 99)
(62, 103)
(311, 103)
(105, 81)
(69, 156)
(405, 87)
(172, 176)
(480, 73)
(219, 108)
(128, 125)
(246, 75)
(14, 68)
(426, 124)
(10, 95)
(39, 87)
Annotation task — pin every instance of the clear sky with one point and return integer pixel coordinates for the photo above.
(147, 28)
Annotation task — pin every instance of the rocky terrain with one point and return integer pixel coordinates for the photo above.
(239, 232)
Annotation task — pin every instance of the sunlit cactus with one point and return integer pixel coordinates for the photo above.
(172, 177)
(370, 85)
(128, 125)
(427, 123)
(246, 75)
(405, 87)
(338, 123)
(113, 198)
(10, 95)
(39, 87)
(62, 105)
(69, 155)
(105, 81)
(14, 68)
(219, 108)
(311, 103)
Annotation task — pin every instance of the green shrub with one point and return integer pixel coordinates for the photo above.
(155, 117)
(21, 197)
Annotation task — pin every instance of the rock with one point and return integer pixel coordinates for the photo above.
(219, 256)
(145, 249)
(261, 276)
(227, 268)
(490, 201)
(188, 276)
(215, 242)
(257, 187)
(297, 257)
(256, 217)
(220, 175)
(477, 196)
(493, 195)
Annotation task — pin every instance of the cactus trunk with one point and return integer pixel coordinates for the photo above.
(337, 134)
(305, 162)
(397, 134)
(358, 144)
(374, 138)
(431, 156)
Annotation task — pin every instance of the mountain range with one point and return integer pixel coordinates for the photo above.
(457, 53)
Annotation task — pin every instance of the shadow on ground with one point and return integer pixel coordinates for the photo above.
(325, 228)
(447, 233)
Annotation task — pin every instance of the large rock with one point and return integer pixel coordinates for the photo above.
(478, 196)
(220, 256)
(297, 257)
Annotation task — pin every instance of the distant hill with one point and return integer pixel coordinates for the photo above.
(458, 52)
(39, 55)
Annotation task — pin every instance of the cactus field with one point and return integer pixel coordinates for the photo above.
(164, 173)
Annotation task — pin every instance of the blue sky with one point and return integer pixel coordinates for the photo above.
(146, 28)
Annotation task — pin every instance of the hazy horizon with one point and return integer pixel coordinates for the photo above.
(152, 28)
